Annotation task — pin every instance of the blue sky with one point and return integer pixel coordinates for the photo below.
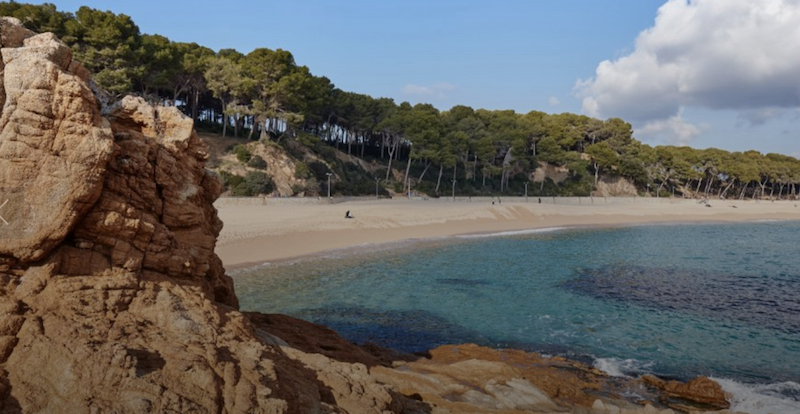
(682, 72)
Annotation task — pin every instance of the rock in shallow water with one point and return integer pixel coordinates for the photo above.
(700, 392)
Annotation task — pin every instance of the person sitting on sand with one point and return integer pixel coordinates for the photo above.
(347, 215)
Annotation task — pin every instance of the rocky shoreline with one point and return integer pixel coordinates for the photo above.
(471, 378)
(112, 299)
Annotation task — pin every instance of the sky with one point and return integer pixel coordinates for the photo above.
(703, 73)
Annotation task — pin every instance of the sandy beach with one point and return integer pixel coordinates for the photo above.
(258, 230)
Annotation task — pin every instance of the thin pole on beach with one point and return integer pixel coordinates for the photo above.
(526, 192)
(329, 184)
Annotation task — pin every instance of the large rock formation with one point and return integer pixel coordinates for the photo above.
(113, 301)
(111, 296)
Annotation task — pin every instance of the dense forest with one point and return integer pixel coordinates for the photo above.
(264, 95)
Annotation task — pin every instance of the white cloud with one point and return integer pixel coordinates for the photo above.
(554, 101)
(437, 90)
(717, 54)
(673, 130)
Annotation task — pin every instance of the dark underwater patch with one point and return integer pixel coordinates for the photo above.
(407, 331)
(767, 301)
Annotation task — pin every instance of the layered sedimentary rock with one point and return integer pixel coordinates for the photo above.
(113, 301)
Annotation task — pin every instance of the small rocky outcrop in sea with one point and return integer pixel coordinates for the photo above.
(699, 392)
(113, 301)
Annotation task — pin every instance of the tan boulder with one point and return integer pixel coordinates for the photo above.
(54, 146)
(700, 392)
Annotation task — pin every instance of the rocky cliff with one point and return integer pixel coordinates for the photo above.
(113, 301)
(111, 296)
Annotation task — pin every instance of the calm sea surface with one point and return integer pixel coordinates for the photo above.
(721, 300)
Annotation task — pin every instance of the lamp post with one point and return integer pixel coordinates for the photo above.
(454, 190)
(329, 184)
(648, 189)
(526, 191)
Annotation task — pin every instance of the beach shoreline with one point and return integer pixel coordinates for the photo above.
(258, 230)
(285, 230)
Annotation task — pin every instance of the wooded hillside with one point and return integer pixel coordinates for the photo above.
(265, 95)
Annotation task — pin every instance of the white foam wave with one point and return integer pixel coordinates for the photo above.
(617, 367)
(777, 398)
(249, 269)
(512, 233)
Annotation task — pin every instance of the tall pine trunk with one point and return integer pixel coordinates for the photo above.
(439, 180)
(424, 170)
(708, 186)
(391, 151)
(224, 124)
(363, 145)
(406, 184)
(252, 128)
(195, 104)
(726, 189)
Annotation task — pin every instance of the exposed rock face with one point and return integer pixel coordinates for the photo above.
(614, 186)
(281, 168)
(54, 146)
(111, 296)
(553, 172)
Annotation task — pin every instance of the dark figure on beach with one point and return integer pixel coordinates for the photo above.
(347, 215)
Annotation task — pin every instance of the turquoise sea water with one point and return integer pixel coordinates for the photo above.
(721, 300)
